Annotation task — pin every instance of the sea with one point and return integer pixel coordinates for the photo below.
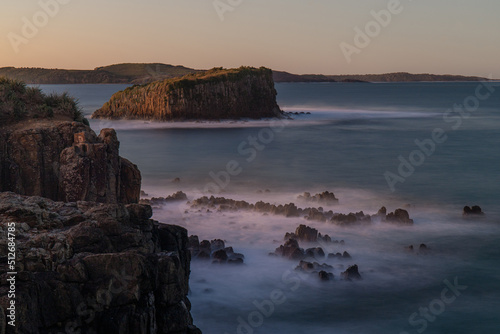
(429, 148)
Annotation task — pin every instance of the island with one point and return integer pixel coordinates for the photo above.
(217, 94)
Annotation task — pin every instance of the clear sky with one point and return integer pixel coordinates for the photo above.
(299, 36)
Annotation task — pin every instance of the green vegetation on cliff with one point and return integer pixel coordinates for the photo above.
(219, 93)
(18, 102)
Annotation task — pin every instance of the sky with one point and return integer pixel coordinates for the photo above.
(298, 36)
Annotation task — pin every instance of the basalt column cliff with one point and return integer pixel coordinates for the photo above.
(213, 95)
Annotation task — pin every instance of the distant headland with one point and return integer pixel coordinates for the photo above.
(141, 73)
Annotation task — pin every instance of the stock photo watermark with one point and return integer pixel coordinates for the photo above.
(31, 27)
(420, 320)
(426, 147)
(224, 6)
(248, 149)
(11, 274)
(372, 29)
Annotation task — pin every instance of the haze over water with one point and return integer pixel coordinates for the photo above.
(354, 135)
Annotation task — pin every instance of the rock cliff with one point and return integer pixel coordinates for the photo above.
(94, 268)
(213, 95)
(92, 261)
(46, 149)
(66, 161)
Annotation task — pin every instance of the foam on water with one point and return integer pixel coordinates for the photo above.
(395, 281)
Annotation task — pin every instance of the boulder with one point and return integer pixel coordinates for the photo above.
(306, 233)
(400, 216)
(474, 211)
(290, 250)
(351, 273)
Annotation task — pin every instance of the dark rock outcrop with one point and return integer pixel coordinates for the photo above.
(400, 216)
(157, 201)
(350, 219)
(216, 94)
(351, 273)
(291, 250)
(215, 250)
(66, 161)
(325, 197)
(474, 211)
(95, 268)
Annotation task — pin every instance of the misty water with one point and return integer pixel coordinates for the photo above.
(355, 135)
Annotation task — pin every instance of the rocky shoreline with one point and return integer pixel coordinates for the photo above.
(87, 267)
(83, 255)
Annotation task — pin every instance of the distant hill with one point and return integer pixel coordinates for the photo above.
(119, 73)
(387, 77)
(132, 73)
(144, 73)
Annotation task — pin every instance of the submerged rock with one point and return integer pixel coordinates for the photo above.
(156, 201)
(474, 211)
(400, 216)
(215, 250)
(323, 198)
(351, 273)
(290, 250)
(306, 233)
(350, 219)
(325, 276)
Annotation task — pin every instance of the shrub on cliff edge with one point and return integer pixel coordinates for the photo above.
(18, 102)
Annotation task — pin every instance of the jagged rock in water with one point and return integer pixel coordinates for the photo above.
(315, 214)
(155, 201)
(325, 276)
(474, 211)
(217, 244)
(316, 252)
(312, 266)
(350, 219)
(212, 95)
(215, 250)
(351, 273)
(290, 250)
(382, 213)
(127, 272)
(346, 255)
(400, 216)
(219, 256)
(325, 197)
(306, 233)
(423, 248)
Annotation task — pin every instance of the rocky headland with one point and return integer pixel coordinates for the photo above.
(88, 259)
(216, 94)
